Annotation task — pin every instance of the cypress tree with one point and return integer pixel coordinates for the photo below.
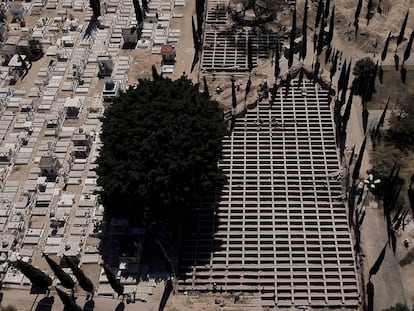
(200, 16)
(326, 12)
(155, 75)
(84, 282)
(328, 53)
(145, 5)
(138, 12)
(277, 60)
(358, 10)
(403, 72)
(37, 277)
(304, 32)
(206, 92)
(370, 295)
(195, 35)
(342, 75)
(249, 53)
(377, 264)
(331, 26)
(407, 51)
(321, 38)
(248, 85)
(400, 37)
(357, 167)
(396, 61)
(318, 14)
(347, 112)
(68, 302)
(113, 281)
(369, 11)
(384, 51)
(365, 115)
(380, 74)
(292, 39)
(334, 65)
(62, 276)
(233, 94)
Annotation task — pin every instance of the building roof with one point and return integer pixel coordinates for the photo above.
(167, 48)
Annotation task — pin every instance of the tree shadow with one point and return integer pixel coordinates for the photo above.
(45, 304)
(37, 291)
(120, 306)
(89, 305)
(166, 294)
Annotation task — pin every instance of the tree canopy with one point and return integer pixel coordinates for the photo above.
(161, 144)
(37, 277)
(364, 82)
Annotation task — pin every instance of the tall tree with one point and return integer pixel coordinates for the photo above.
(377, 264)
(321, 38)
(326, 12)
(200, 16)
(319, 13)
(196, 41)
(138, 12)
(358, 163)
(84, 282)
(233, 94)
(304, 32)
(292, 39)
(385, 50)
(249, 53)
(62, 276)
(155, 75)
(205, 92)
(400, 37)
(145, 5)
(113, 281)
(277, 60)
(331, 26)
(157, 157)
(358, 10)
(68, 302)
(38, 278)
(407, 51)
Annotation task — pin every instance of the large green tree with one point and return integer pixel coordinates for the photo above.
(161, 146)
(364, 72)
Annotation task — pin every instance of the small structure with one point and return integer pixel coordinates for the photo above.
(111, 90)
(106, 65)
(130, 36)
(6, 154)
(3, 32)
(168, 54)
(17, 10)
(10, 47)
(73, 106)
(67, 41)
(49, 166)
(82, 143)
(19, 64)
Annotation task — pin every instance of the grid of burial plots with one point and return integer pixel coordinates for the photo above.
(280, 229)
(228, 50)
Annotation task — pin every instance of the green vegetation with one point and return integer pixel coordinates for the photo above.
(364, 72)
(161, 146)
(36, 50)
(398, 307)
(68, 302)
(38, 278)
(113, 281)
(84, 282)
(8, 308)
(63, 277)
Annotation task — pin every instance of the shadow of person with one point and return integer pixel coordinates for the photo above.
(120, 306)
(45, 304)
(89, 305)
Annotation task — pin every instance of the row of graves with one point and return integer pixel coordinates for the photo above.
(278, 235)
(49, 143)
